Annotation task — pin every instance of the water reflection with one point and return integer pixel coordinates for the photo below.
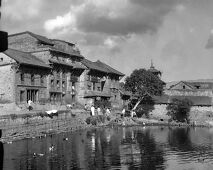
(114, 148)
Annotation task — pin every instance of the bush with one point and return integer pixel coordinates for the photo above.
(43, 101)
(102, 104)
(94, 120)
(13, 116)
(179, 110)
(145, 106)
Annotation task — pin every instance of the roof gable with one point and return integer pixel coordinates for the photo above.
(25, 58)
(181, 85)
(92, 65)
(110, 69)
(36, 36)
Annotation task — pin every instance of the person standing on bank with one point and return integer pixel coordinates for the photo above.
(92, 110)
(30, 105)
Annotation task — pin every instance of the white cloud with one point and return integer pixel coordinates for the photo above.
(21, 9)
(109, 42)
(60, 22)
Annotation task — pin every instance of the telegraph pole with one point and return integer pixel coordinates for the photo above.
(3, 36)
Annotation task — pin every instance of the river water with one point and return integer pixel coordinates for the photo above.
(115, 148)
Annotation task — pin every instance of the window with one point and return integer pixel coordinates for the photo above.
(22, 78)
(88, 77)
(21, 96)
(184, 87)
(93, 86)
(52, 83)
(32, 79)
(57, 84)
(63, 84)
(99, 88)
(58, 74)
(42, 80)
(63, 75)
(89, 87)
(1, 59)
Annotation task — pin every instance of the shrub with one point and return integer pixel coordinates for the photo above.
(145, 106)
(102, 104)
(13, 116)
(179, 109)
(43, 101)
(94, 120)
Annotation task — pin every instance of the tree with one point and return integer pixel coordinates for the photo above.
(142, 83)
(179, 109)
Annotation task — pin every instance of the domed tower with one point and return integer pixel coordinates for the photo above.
(154, 71)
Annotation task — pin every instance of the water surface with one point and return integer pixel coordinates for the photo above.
(115, 148)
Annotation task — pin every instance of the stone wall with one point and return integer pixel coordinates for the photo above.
(7, 83)
(22, 42)
(25, 42)
(207, 92)
(197, 113)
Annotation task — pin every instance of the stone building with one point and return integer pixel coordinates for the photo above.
(54, 71)
(23, 77)
(200, 92)
(100, 82)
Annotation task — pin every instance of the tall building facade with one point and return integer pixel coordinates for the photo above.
(54, 71)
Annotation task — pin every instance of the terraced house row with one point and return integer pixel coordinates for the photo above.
(50, 70)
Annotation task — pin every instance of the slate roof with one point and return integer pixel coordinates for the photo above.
(70, 43)
(195, 84)
(25, 58)
(100, 66)
(64, 52)
(93, 66)
(110, 69)
(38, 37)
(73, 65)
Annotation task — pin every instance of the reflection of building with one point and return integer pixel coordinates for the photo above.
(51, 70)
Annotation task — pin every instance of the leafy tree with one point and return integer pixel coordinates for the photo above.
(179, 109)
(142, 83)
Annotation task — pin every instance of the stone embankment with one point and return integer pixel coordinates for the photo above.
(16, 127)
(30, 126)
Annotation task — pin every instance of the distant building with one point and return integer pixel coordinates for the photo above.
(200, 92)
(154, 70)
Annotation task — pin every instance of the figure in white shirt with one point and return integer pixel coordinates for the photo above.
(93, 110)
(30, 105)
(123, 112)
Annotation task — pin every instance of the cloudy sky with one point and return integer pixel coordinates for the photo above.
(176, 34)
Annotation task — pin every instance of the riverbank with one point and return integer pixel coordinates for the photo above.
(38, 124)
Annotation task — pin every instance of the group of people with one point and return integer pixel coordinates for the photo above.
(132, 113)
(98, 111)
